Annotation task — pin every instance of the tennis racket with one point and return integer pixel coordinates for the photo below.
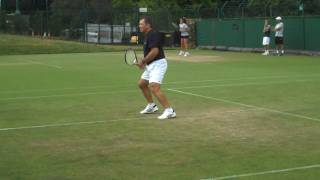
(130, 57)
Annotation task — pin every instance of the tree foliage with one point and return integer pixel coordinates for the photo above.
(71, 15)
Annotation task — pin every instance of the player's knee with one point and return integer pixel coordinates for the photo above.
(154, 87)
(142, 84)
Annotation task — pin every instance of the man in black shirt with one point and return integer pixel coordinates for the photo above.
(155, 67)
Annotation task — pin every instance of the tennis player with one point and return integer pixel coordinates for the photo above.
(155, 67)
(184, 30)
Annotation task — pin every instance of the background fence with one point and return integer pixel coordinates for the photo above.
(300, 33)
(103, 22)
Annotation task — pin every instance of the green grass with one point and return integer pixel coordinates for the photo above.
(216, 135)
(15, 45)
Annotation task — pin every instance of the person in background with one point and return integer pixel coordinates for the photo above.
(266, 37)
(279, 36)
(184, 29)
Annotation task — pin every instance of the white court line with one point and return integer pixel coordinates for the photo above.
(200, 116)
(244, 84)
(246, 78)
(44, 64)
(246, 105)
(15, 64)
(71, 124)
(265, 172)
(67, 95)
(61, 89)
(177, 82)
(129, 91)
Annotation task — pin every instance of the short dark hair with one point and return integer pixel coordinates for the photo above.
(147, 20)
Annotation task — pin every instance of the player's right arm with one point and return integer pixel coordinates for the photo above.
(266, 26)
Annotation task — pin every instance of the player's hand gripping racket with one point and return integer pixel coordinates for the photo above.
(130, 57)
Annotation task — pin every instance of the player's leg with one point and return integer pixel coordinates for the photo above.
(265, 43)
(156, 75)
(144, 86)
(282, 46)
(168, 111)
(186, 46)
(156, 91)
(277, 45)
(159, 69)
(268, 45)
(181, 47)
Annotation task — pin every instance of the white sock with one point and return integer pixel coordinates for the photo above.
(282, 51)
(169, 109)
(277, 51)
(151, 104)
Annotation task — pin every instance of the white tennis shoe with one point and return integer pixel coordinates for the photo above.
(186, 54)
(150, 108)
(167, 114)
(181, 53)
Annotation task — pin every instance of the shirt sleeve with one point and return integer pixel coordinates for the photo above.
(154, 40)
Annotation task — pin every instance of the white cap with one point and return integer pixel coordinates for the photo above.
(278, 18)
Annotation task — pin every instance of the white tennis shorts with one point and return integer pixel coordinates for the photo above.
(154, 72)
(266, 41)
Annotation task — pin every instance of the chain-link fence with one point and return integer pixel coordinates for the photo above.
(85, 23)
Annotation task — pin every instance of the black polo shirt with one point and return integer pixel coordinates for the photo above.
(153, 39)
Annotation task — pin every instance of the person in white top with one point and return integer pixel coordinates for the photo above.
(184, 29)
(279, 36)
(266, 37)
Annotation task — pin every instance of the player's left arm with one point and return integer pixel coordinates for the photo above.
(151, 55)
(278, 27)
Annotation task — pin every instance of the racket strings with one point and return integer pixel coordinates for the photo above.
(131, 57)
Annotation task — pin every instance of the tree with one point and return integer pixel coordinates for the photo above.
(284, 7)
(2, 21)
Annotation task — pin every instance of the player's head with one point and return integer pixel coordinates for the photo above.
(184, 20)
(278, 19)
(145, 24)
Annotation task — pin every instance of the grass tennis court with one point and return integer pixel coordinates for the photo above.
(240, 115)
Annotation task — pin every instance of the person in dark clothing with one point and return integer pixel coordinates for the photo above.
(155, 67)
